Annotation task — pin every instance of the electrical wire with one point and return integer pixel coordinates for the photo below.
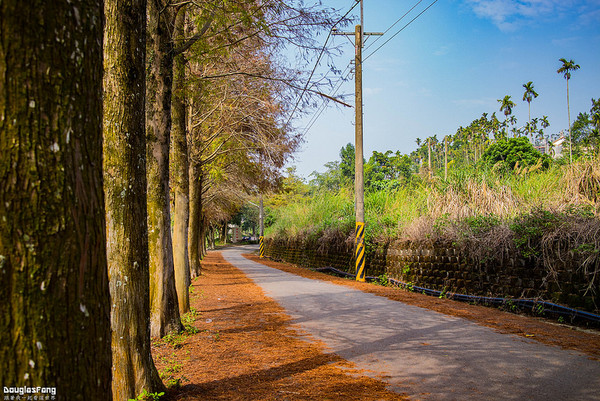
(308, 81)
(323, 106)
(403, 28)
(393, 25)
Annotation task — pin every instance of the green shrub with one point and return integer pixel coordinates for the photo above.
(508, 153)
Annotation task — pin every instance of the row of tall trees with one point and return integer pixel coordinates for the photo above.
(169, 110)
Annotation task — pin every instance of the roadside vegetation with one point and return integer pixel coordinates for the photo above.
(490, 196)
(424, 208)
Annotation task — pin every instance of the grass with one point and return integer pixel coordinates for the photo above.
(548, 215)
(465, 194)
(146, 396)
(325, 211)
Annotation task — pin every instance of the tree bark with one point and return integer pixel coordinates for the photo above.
(202, 238)
(195, 181)
(55, 320)
(125, 191)
(225, 227)
(180, 175)
(164, 308)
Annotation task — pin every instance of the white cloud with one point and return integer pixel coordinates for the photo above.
(509, 15)
(565, 41)
(442, 51)
(591, 17)
(372, 91)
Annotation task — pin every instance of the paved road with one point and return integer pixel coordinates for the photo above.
(425, 354)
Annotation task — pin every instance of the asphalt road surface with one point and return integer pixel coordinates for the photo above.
(421, 353)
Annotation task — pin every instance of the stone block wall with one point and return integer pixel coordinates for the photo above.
(442, 267)
(317, 254)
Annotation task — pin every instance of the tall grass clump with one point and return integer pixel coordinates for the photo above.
(388, 211)
(581, 183)
(311, 217)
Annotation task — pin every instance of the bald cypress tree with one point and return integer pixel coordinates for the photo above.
(125, 189)
(179, 173)
(164, 306)
(55, 324)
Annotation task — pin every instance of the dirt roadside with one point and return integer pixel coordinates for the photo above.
(544, 331)
(245, 348)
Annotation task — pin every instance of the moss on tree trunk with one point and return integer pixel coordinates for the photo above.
(180, 176)
(195, 218)
(164, 308)
(125, 191)
(55, 320)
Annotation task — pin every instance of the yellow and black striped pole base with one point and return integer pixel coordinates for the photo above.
(262, 246)
(360, 251)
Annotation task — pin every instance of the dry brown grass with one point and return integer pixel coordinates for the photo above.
(452, 208)
(472, 198)
(582, 184)
(575, 241)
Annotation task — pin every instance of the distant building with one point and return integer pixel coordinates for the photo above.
(557, 147)
(236, 233)
(552, 148)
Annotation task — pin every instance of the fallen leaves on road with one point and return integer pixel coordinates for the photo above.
(245, 348)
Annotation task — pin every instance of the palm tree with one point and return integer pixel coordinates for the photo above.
(528, 96)
(495, 125)
(506, 106)
(544, 122)
(595, 111)
(565, 69)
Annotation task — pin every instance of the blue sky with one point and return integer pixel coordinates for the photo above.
(452, 64)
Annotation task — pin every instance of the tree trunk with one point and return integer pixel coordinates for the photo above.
(180, 176)
(569, 117)
(429, 156)
(529, 107)
(195, 181)
(225, 232)
(125, 190)
(164, 308)
(446, 158)
(55, 320)
(202, 238)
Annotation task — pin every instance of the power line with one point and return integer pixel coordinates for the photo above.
(394, 24)
(403, 28)
(321, 109)
(323, 106)
(318, 60)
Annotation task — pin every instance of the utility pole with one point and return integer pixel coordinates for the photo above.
(359, 187)
(446, 157)
(359, 179)
(261, 217)
(261, 222)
